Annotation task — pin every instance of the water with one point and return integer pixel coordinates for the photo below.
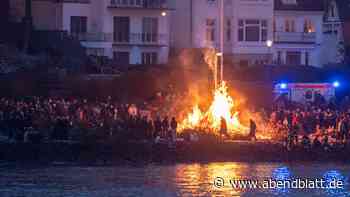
(165, 180)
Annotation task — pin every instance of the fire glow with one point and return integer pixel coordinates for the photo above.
(223, 106)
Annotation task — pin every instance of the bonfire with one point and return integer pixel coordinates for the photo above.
(223, 106)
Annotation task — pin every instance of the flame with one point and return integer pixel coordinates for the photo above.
(221, 107)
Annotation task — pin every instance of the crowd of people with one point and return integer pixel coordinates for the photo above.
(309, 126)
(312, 125)
(65, 119)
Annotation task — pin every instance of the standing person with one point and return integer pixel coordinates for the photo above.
(252, 132)
(223, 127)
(343, 129)
(150, 129)
(173, 126)
(157, 127)
(165, 127)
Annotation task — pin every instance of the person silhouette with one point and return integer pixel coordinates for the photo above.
(223, 127)
(252, 131)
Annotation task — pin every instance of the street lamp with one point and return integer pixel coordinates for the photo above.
(222, 16)
(269, 44)
(164, 13)
(218, 57)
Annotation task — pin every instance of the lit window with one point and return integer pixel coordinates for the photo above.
(308, 26)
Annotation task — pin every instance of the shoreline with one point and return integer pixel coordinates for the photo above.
(128, 153)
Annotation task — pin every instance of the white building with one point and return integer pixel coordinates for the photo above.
(298, 32)
(333, 31)
(247, 27)
(129, 31)
(294, 27)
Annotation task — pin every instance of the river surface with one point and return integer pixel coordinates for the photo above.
(211, 179)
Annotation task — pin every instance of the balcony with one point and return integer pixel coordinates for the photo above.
(75, 1)
(295, 37)
(93, 37)
(145, 39)
(139, 4)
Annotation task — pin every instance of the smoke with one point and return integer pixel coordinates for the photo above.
(210, 58)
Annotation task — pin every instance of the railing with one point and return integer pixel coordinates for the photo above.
(146, 4)
(295, 37)
(140, 38)
(94, 37)
(122, 38)
(75, 1)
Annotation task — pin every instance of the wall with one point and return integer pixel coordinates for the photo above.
(46, 15)
(181, 23)
(75, 9)
(17, 10)
(4, 10)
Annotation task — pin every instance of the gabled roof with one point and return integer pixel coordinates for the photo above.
(300, 5)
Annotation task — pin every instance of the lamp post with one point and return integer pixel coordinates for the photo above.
(27, 20)
(218, 55)
(221, 54)
(269, 44)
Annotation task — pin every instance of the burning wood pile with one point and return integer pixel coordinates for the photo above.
(222, 106)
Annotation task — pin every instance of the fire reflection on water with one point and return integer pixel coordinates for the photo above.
(201, 178)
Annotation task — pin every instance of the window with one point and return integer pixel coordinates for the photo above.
(210, 31)
(252, 30)
(149, 58)
(228, 30)
(289, 25)
(279, 57)
(121, 29)
(78, 25)
(293, 58)
(263, 30)
(121, 57)
(332, 10)
(211, 1)
(150, 29)
(308, 26)
(307, 56)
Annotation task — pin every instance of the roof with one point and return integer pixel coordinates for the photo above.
(300, 5)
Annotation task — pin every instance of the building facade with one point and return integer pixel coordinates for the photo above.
(298, 32)
(337, 31)
(256, 32)
(333, 48)
(247, 27)
(128, 31)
